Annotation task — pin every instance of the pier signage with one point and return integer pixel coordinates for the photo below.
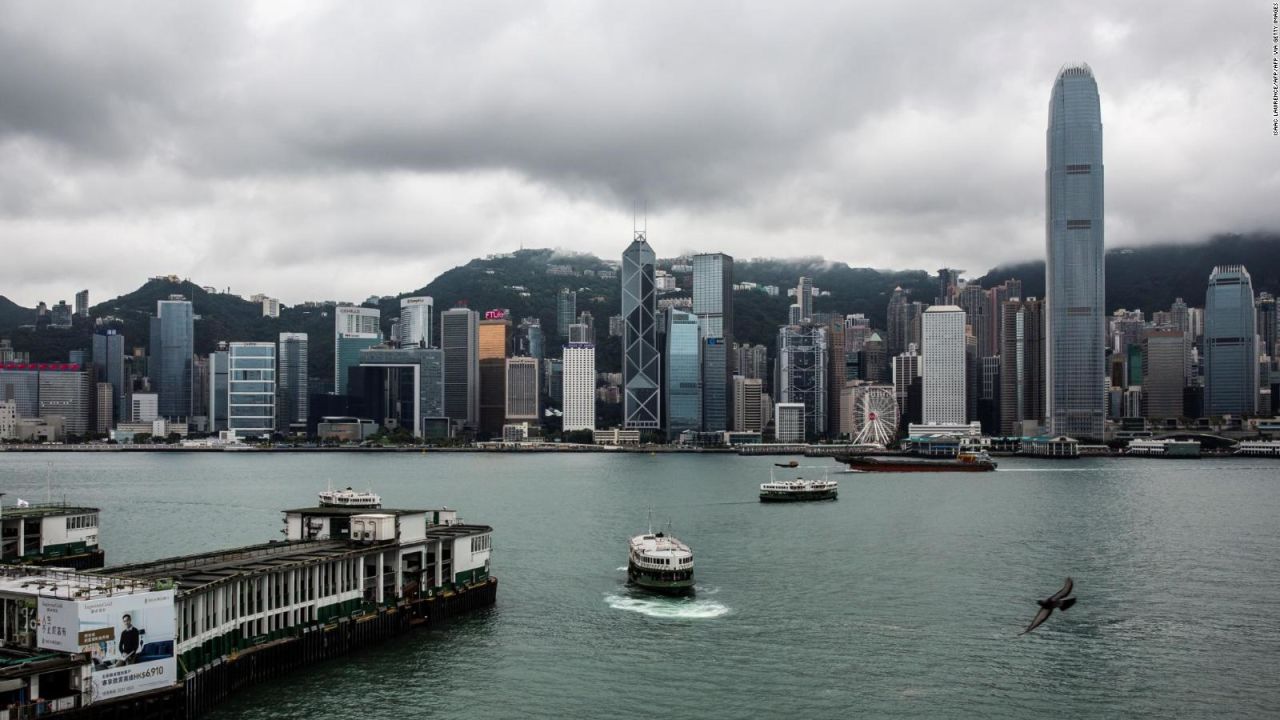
(129, 637)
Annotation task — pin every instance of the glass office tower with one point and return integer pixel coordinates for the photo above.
(683, 370)
(713, 304)
(1230, 343)
(459, 338)
(108, 365)
(291, 381)
(251, 388)
(1074, 269)
(171, 364)
(641, 380)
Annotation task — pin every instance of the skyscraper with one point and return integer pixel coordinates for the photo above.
(171, 364)
(683, 366)
(460, 342)
(1266, 324)
(1074, 267)
(354, 329)
(108, 367)
(494, 347)
(251, 388)
(1022, 372)
(898, 321)
(906, 372)
(82, 304)
(804, 298)
(566, 311)
(1230, 343)
(402, 387)
(713, 304)
(579, 387)
(291, 382)
(802, 375)
(948, 283)
(415, 321)
(748, 404)
(522, 390)
(1163, 374)
(943, 364)
(218, 368)
(641, 365)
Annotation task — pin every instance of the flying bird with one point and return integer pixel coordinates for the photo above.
(1056, 601)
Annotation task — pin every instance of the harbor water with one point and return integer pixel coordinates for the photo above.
(902, 599)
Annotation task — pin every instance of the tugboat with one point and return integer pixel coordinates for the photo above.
(349, 498)
(660, 563)
(968, 461)
(798, 490)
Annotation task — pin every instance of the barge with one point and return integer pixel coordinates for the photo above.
(964, 462)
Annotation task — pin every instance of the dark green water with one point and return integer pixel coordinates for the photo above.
(903, 599)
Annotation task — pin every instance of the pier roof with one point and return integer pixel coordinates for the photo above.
(37, 581)
(348, 511)
(40, 510)
(444, 532)
(192, 572)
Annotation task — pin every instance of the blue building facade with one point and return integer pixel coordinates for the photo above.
(1230, 343)
(171, 365)
(683, 381)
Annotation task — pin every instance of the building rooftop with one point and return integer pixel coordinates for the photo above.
(40, 510)
(349, 511)
(191, 572)
(53, 582)
(443, 532)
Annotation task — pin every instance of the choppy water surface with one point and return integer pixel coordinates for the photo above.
(902, 599)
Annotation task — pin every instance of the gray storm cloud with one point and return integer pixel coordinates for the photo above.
(312, 150)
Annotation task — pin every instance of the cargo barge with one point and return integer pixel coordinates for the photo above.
(964, 462)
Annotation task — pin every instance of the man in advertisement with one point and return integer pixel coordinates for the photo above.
(129, 641)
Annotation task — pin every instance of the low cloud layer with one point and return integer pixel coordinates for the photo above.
(312, 150)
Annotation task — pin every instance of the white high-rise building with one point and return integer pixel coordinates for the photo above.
(789, 419)
(144, 407)
(415, 321)
(942, 364)
(251, 388)
(579, 387)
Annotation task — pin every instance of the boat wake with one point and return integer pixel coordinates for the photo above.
(668, 608)
(622, 569)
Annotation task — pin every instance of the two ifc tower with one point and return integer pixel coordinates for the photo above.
(1074, 276)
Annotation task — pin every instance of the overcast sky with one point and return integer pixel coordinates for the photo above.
(314, 150)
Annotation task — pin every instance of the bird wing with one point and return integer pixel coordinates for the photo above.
(1065, 591)
(1039, 619)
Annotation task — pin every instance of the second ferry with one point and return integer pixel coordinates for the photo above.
(660, 563)
(798, 490)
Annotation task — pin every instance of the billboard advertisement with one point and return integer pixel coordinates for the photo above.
(130, 639)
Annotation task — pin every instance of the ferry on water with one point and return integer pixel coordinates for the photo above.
(660, 563)
(349, 498)
(975, 461)
(798, 490)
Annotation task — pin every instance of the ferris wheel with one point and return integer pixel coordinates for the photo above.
(875, 416)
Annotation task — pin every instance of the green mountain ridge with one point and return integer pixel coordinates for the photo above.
(1148, 278)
